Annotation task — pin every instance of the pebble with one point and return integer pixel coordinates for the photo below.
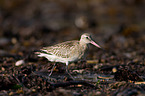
(19, 62)
(114, 69)
(81, 22)
(14, 40)
(92, 61)
(2, 68)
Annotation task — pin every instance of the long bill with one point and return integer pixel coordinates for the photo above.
(95, 44)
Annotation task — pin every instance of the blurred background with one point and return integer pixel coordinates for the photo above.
(116, 25)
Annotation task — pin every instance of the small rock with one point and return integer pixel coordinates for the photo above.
(114, 69)
(19, 62)
(92, 61)
(33, 90)
(14, 40)
(11, 93)
(2, 68)
(81, 22)
(96, 66)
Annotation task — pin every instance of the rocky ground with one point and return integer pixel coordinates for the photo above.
(118, 26)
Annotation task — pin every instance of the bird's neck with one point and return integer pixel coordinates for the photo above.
(82, 43)
(83, 46)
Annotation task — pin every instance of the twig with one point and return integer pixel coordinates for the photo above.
(65, 84)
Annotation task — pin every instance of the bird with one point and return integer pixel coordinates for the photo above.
(67, 52)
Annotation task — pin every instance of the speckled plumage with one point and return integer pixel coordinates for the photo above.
(69, 51)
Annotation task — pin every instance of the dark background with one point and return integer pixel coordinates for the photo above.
(35, 23)
(118, 26)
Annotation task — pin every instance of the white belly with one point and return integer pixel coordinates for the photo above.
(54, 58)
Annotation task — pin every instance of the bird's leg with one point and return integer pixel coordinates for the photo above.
(52, 69)
(84, 61)
(68, 72)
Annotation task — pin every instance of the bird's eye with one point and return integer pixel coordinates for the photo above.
(87, 37)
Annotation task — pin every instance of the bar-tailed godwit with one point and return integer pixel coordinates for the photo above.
(67, 52)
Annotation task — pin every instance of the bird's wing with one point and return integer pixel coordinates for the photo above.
(62, 49)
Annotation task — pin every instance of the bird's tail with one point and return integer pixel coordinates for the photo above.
(37, 52)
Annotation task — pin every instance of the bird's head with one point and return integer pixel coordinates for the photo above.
(86, 38)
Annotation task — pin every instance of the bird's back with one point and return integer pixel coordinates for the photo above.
(62, 49)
